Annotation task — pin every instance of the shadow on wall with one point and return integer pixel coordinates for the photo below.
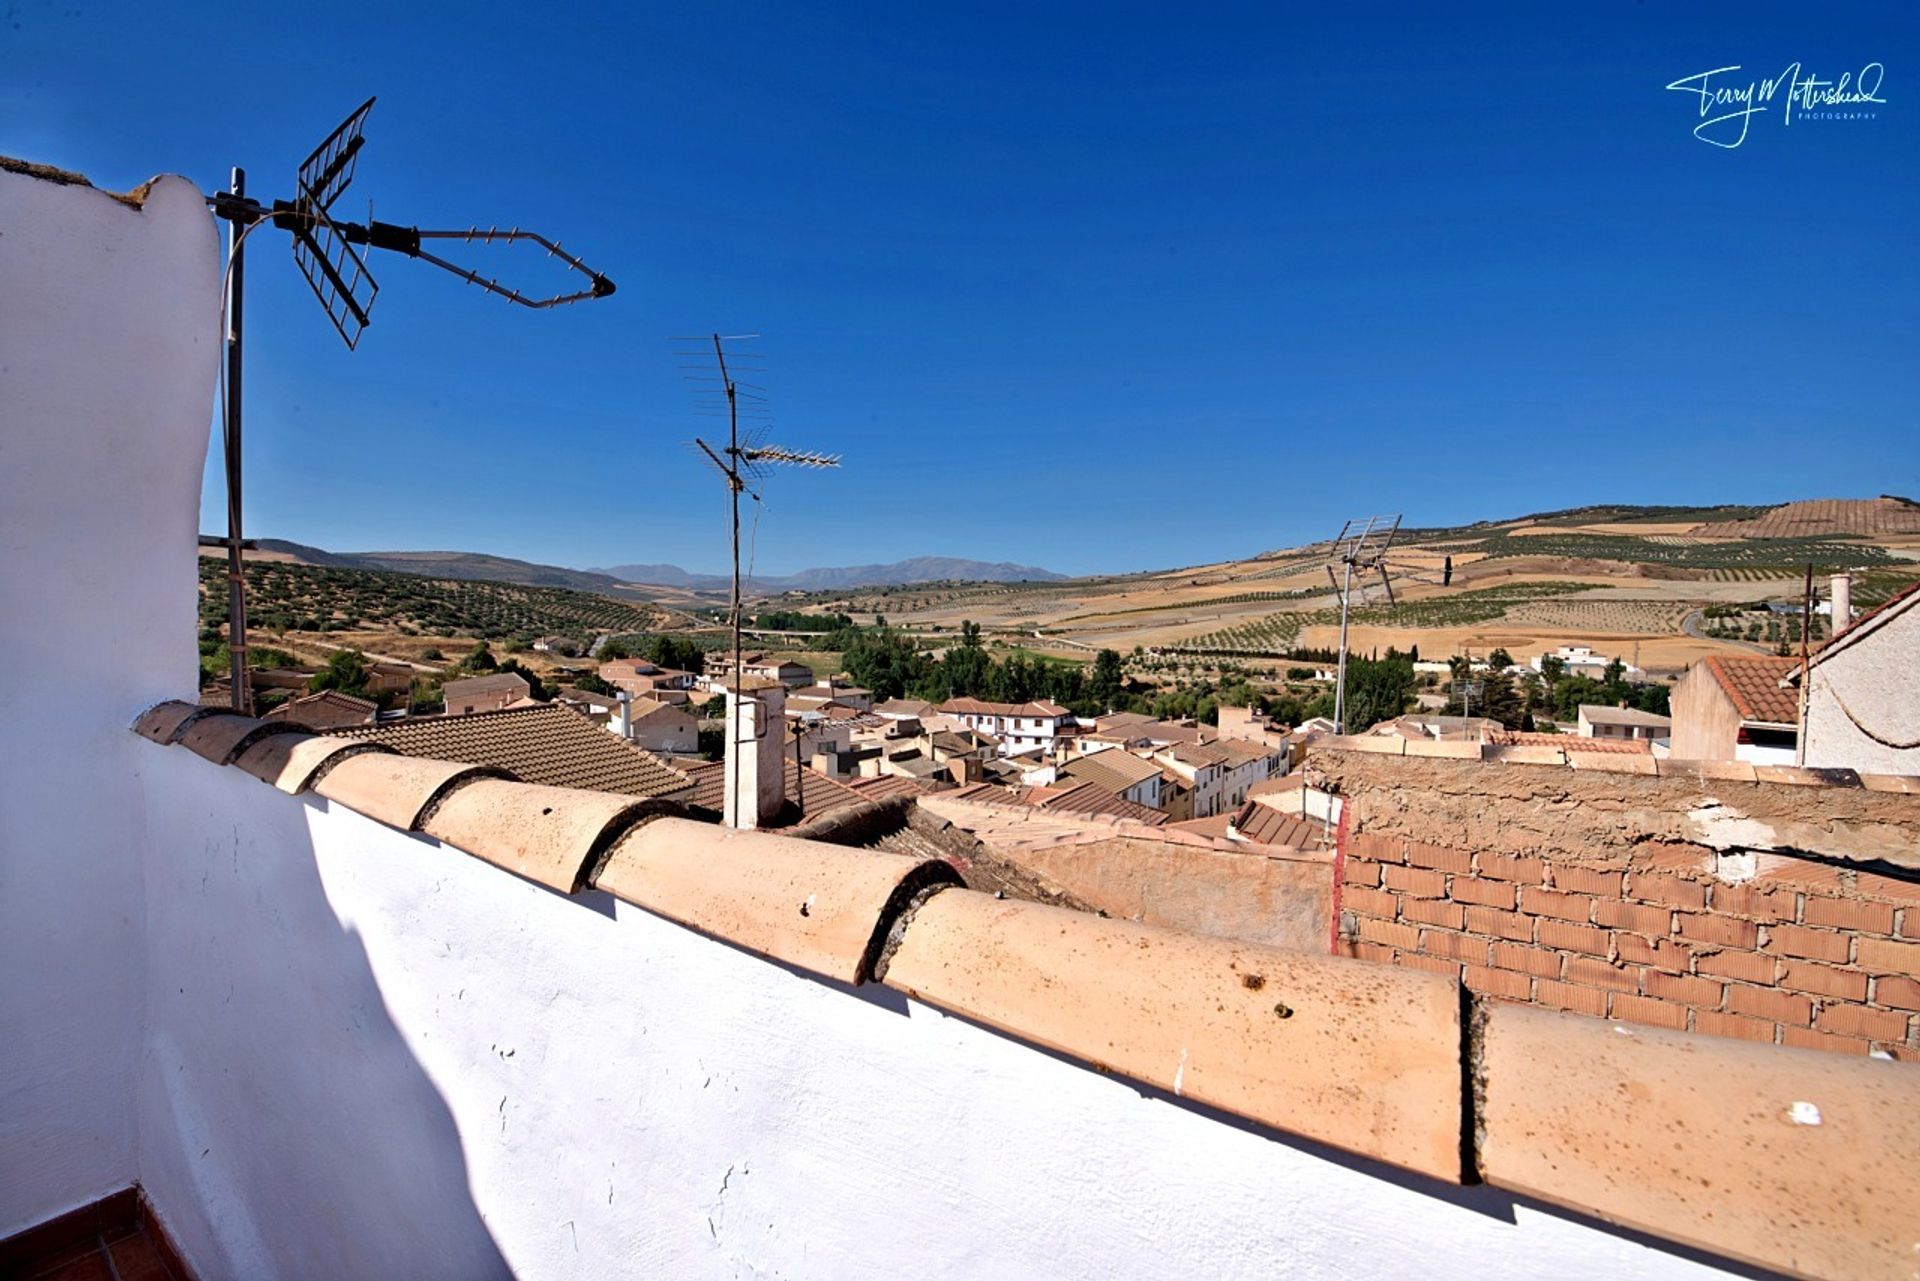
(286, 1126)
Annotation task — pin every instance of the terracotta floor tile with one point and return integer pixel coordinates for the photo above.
(90, 1266)
(135, 1258)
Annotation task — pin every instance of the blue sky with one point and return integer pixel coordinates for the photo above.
(1095, 288)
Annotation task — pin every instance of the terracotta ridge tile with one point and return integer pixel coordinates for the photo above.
(163, 720)
(1284, 1038)
(393, 789)
(293, 763)
(221, 739)
(1792, 1159)
(553, 836)
(823, 908)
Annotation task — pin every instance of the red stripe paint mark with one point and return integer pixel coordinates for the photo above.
(1339, 873)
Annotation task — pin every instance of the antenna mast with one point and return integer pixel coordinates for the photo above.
(1360, 549)
(739, 464)
(324, 251)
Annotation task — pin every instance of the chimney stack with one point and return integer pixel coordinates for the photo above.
(1842, 603)
(625, 719)
(755, 764)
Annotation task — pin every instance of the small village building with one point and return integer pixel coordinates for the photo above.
(329, 709)
(484, 693)
(1737, 709)
(1019, 727)
(659, 727)
(1599, 721)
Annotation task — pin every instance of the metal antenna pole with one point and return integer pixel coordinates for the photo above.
(733, 491)
(1340, 680)
(236, 569)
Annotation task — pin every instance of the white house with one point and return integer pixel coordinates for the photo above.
(1600, 721)
(1020, 727)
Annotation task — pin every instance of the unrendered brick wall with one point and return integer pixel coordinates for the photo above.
(1582, 893)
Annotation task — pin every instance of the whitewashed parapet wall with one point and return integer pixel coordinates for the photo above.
(109, 334)
(371, 1055)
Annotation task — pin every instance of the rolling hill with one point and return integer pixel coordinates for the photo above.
(920, 569)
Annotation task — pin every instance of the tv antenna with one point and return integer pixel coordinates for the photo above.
(743, 464)
(323, 249)
(1360, 550)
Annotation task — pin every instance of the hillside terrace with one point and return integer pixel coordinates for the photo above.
(329, 1009)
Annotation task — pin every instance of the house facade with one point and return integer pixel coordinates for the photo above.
(1737, 709)
(484, 693)
(1019, 727)
(1599, 721)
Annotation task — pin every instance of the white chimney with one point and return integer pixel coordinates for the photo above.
(756, 735)
(1842, 602)
(624, 723)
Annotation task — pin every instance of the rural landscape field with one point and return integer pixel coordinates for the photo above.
(1657, 587)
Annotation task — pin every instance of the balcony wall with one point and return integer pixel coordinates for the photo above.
(109, 333)
(372, 1055)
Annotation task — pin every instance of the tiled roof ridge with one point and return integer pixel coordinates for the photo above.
(1725, 670)
(648, 768)
(1473, 1090)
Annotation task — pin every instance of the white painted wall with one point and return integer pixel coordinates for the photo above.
(108, 342)
(1877, 680)
(369, 1056)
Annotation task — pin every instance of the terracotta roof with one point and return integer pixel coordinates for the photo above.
(574, 694)
(1265, 825)
(1240, 751)
(645, 707)
(548, 743)
(1602, 714)
(1571, 742)
(1753, 684)
(823, 795)
(903, 707)
(1279, 783)
(329, 709)
(882, 786)
(498, 683)
(976, 707)
(1113, 769)
(1075, 798)
(1199, 754)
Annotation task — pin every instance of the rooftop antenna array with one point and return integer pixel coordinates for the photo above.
(1360, 550)
(743, 463)
(324, 251)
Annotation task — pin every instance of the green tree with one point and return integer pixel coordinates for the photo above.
(480, 658)
(1103, 683)
(1500, 659)
(1377, 690)
(535, 689)
(346, 672)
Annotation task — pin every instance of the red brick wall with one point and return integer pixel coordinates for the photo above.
(1806, 954)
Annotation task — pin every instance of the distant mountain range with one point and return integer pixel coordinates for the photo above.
(467, 565)
(615, 581)
(920, 569)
